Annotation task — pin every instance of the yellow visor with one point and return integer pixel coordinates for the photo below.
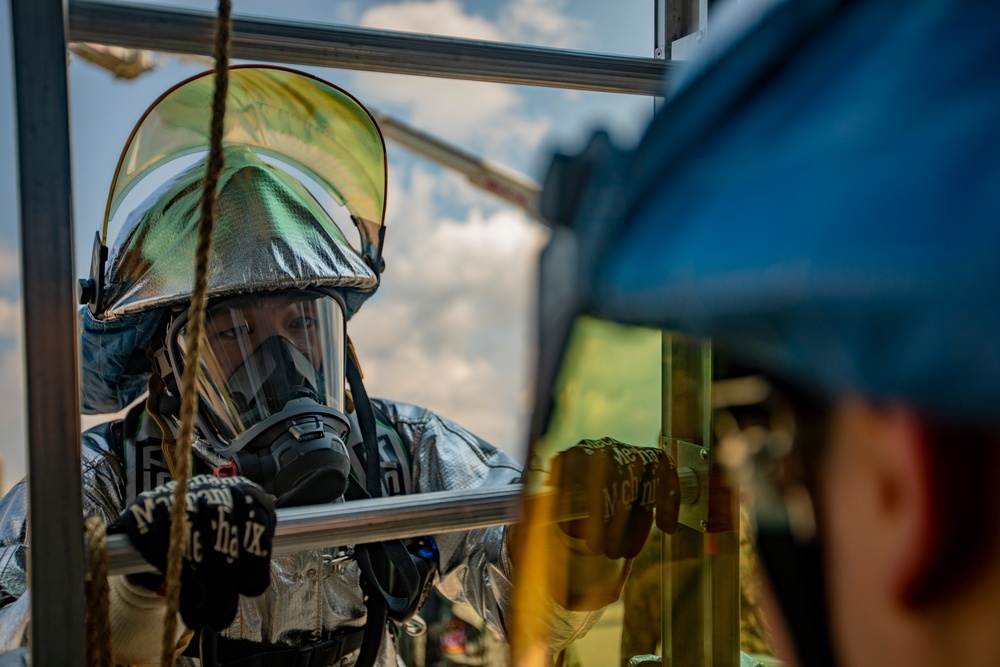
(288, 115)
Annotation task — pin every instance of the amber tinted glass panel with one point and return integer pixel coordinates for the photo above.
(609, 387)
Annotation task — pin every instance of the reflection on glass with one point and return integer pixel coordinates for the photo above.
(632, 419)
(608, 391)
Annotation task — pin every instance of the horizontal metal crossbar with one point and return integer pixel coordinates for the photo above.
(362, 521)
(295, 42)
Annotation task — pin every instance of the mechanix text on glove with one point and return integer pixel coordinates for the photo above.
(619, 486)
(230, 525)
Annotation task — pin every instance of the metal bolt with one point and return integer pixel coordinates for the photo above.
(704, 454)
(704, 525)
(658, 53)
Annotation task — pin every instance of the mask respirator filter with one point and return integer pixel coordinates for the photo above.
(297, 451)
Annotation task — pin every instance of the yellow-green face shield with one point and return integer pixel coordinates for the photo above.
(271, 233)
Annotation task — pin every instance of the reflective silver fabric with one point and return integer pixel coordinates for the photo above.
(270, 234)
(311, 592)
(103, 482)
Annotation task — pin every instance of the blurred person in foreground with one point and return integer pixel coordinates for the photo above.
(821, 197)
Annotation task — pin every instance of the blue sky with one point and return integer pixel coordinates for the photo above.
(452, 324)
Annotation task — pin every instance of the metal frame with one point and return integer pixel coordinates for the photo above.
(704, 551)
(40, 38)
(364, 521)
(184, 31)
(55, 494)
(491, 176)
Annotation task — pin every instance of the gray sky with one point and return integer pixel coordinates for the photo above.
(451, 327)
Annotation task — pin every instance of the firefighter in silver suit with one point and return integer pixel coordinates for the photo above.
(273, 407)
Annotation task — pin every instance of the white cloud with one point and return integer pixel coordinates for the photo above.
(542, 22)
(488, 118)
(539, 22)
(485, 117)
(451, 326)
(12, 419)
(438, 17)
(10, 318)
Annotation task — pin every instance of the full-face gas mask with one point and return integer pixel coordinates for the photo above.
(271, 391)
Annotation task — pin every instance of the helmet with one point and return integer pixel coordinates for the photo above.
(283, 277)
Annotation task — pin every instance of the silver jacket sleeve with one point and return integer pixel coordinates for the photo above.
(103, 488)
(475, 565)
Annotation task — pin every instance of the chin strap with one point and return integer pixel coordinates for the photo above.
(375, 559)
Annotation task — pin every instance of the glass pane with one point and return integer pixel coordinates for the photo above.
(678, 601)
(608, 388)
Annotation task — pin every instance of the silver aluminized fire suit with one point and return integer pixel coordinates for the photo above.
(315, 592)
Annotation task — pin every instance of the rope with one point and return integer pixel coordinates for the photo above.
(98, 620)
(196, 327)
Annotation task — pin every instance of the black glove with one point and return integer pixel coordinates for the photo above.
(230, 524)
(617, 486)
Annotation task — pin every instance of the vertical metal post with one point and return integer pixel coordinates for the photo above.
(53, 413)
(690, 584)
(701, 588)
(722, 544)
(687, 25)
(666, 550)
(661, 48)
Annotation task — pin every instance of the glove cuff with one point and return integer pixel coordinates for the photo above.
(575, 545)
(593, 581)
(137, 615)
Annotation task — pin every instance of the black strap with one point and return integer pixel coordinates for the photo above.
(376, 606)
(366, 421)
(374, 559)
(244, 653)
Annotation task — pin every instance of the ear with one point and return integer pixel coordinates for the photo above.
(904, 501)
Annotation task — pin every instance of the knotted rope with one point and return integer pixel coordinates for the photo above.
(98, 613)
(195, 332)
(98, 619)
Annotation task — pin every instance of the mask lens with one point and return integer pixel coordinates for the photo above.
(262, 351)
(276, 372)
